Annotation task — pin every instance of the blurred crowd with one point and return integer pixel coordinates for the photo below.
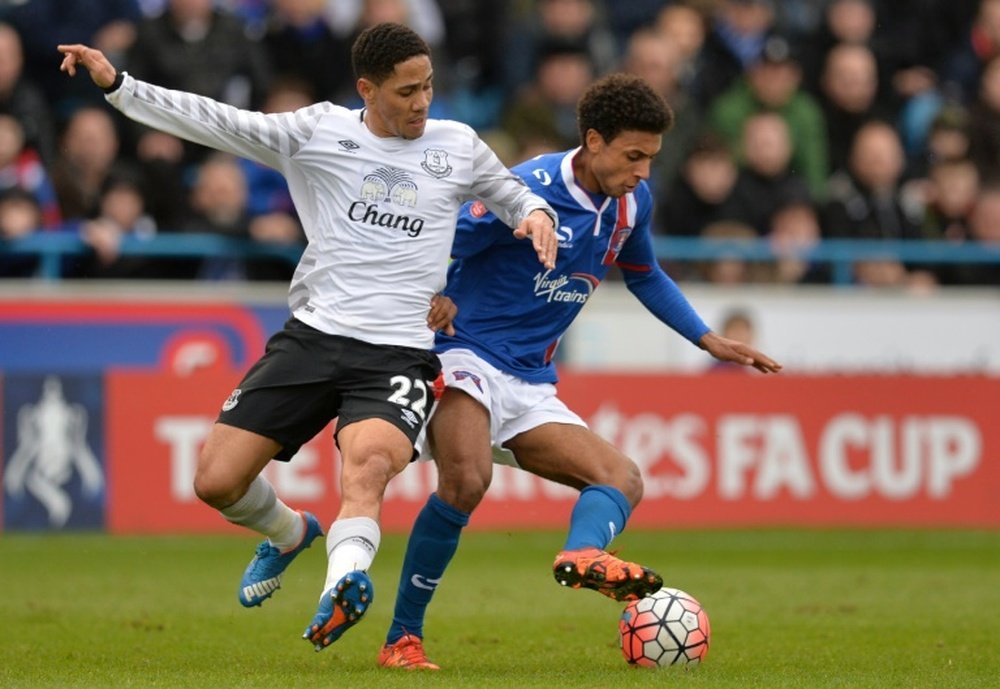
(797, 120)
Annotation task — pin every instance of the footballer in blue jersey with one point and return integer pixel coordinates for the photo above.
(515, 324)
(499, 402)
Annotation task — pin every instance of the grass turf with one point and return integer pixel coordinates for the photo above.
(788, 608)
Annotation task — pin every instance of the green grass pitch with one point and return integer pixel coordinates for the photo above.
(789, 608)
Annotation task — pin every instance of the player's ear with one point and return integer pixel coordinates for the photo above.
(366, 89)
(593, 141)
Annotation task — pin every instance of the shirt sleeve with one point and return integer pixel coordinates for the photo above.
(503, 192)
(654, 288)
(265, 138)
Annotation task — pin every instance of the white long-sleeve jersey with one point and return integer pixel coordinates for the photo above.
(379, 213)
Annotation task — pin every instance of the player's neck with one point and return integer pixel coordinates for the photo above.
(583, 173)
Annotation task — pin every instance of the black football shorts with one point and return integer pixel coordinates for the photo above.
(306, 378)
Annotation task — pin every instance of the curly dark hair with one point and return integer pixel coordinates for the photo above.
(378, 49)
(622, 102)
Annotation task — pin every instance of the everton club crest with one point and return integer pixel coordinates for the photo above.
(436, 163)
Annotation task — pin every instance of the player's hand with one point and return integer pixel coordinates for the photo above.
(442, 314)
(538, 225)
(724, 349)
(101, 70)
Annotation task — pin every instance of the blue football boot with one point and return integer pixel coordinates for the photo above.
(262, 576)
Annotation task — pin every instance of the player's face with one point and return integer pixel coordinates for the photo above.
(619, 165)
(398, 106)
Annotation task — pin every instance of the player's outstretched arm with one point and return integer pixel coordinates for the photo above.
(538, 225)
(724, 349)
(100, 68)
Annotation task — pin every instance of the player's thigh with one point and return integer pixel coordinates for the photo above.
(230, 459)
(459, 433)
(374, 448)
(573, 455)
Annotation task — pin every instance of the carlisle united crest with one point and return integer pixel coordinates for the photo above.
(436, 163)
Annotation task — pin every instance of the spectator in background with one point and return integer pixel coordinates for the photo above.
(772, 83)
(865, 202)
(735, 41)
(21, 97)
(964, 68)
(542, 117)
(219, 205)
(20, 216)
(88, 153)
(557, 22)
(21, 168)
(848, 96)
(795, 230)
(984, 227)
(301, 45)
(845, 22)
(109, 25)
(913, 40)
(196, 47)
(948, 138)
(652, 57)
(737, 325)
(122, 214)
(703, 193)
(684, 28)
(949, 196)
(731, 267)
(984, 123)
(765, 181)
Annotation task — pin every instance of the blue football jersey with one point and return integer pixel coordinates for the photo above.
(512, 311)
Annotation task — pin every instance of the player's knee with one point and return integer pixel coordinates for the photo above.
(628, 479)
(633, 483)
(214, 492)
(213, 487)
(463, 489)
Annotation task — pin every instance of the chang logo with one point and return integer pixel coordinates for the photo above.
(575, 288)
(391, 186)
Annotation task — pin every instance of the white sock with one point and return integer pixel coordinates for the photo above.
(350, 544)
(261, 510)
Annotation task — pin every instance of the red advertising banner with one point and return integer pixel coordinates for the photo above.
(715, 450)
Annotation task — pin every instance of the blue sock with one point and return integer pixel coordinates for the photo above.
(433, 541)
(599, 515)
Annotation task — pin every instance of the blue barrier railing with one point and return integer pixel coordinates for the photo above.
(840, 254)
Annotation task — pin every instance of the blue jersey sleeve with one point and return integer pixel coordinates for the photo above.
(653, 287)
(476, 230)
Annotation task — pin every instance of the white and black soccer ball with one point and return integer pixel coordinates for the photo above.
(666, 628)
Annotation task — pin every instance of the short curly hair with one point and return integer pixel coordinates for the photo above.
(622, 102)
(378, 49)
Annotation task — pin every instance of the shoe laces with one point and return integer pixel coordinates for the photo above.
(410, 648)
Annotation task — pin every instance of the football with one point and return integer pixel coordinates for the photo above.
(666, 628)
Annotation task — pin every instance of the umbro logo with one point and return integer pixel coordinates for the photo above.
(409, 417)
(348, 145)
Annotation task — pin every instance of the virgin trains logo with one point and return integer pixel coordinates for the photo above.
(575, 288)
(393, 187)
